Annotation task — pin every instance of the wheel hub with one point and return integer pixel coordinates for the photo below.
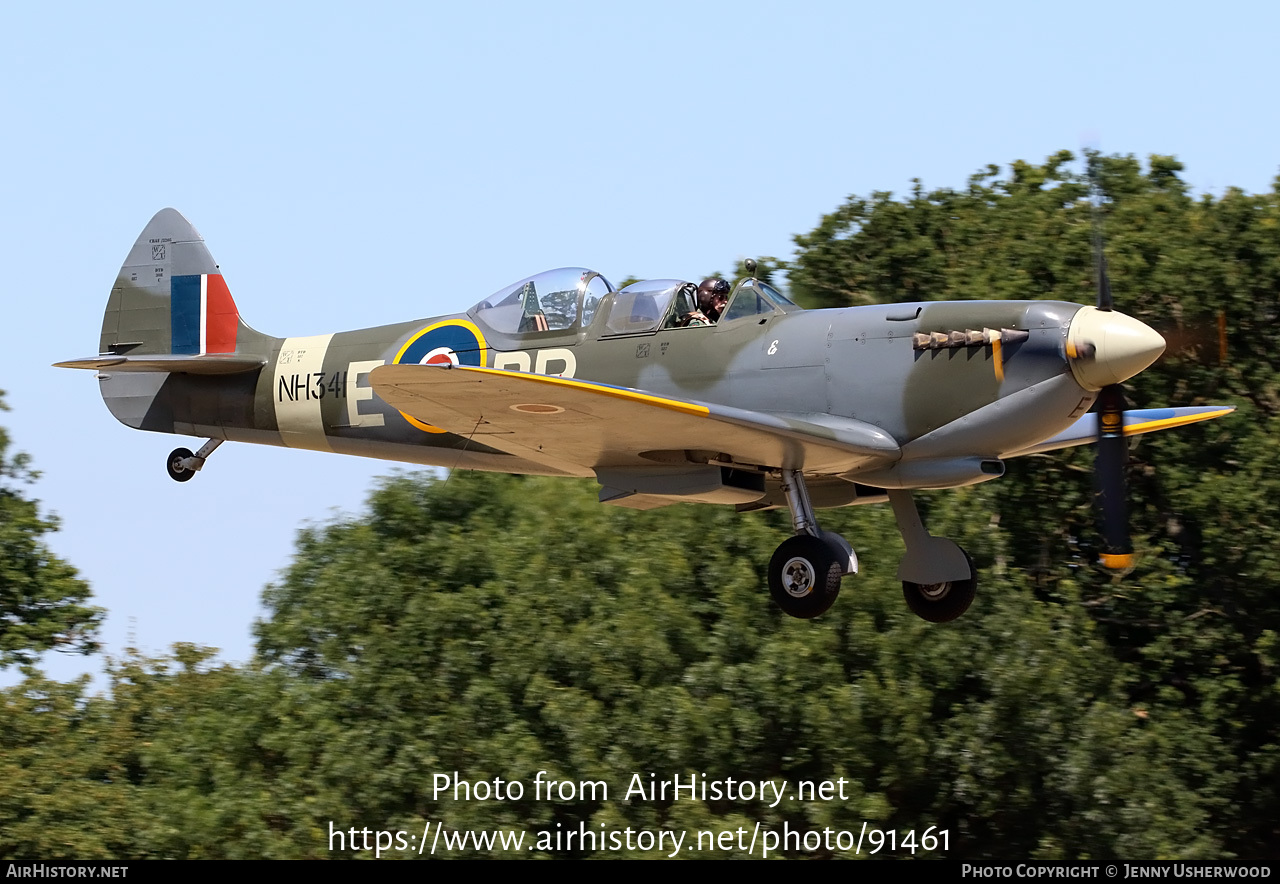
(935, 592)
(798, 577)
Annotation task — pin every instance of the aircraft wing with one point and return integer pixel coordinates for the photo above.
(1136, 422)
(576, 426)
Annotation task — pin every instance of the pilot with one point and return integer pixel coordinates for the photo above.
(713, 295)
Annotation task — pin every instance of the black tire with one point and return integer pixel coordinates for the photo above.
(804, 576)
(177, 472)
(942, 602)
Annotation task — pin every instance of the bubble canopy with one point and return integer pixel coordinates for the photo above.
(554, 300)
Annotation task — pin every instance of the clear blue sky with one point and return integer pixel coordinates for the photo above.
(351, 167)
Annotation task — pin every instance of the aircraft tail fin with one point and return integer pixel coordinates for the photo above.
(171, 299)
(171, 323)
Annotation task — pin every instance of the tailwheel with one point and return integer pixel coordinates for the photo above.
(177, 465)
(182, 464)
(941, 602)
(804, 576)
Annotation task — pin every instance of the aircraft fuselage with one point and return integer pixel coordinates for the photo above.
(859, 362)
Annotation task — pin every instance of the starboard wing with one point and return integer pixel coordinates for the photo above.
(1136, 423)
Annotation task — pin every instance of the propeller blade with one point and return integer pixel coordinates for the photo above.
(1205, 341)
(1109, 467)
(1112, 458)
(1099, 258)
(1104, 282)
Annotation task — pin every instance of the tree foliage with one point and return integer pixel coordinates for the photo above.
(42, 601)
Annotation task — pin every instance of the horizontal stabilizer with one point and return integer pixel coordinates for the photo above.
(229, 363)
(1136, 422)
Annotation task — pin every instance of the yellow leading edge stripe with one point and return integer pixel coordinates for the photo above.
(1166, 423)
(616, 392)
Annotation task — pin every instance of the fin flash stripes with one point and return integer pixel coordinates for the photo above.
(203, 317)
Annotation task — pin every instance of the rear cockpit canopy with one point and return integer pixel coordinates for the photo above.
(554, 300)
(662, 303)
(641, 306)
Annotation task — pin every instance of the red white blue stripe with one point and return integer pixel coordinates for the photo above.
(203, 317)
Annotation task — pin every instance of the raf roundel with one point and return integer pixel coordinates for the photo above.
(452, 342)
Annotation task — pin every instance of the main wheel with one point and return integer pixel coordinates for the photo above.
(804, 576)
(941, 602)
(178, 472)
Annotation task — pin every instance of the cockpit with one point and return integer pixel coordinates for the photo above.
(570, 298)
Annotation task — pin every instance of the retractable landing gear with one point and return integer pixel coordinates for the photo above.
(805, 572)
(182, 464)
(938, 577)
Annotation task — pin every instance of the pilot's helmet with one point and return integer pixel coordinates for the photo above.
(710, 292)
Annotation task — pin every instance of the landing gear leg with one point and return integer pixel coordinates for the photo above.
(938, 577)
(182, 464)
(805, 571)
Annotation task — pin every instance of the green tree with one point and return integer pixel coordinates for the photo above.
(64, 789)
(494, 627)
(42, 601)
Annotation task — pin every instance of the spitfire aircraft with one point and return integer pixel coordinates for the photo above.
(561, 374)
